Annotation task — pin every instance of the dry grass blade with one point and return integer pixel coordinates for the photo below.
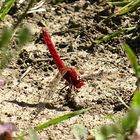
(122, 101)
(37, 8)
(25, 73)
(38, 5)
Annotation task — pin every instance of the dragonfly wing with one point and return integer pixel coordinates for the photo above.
(52, 86)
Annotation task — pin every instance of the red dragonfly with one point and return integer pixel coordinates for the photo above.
(68, 73)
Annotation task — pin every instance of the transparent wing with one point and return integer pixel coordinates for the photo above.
(53, 86)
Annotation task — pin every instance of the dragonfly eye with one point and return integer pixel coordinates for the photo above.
(79, 83)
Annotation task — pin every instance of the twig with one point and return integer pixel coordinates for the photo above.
(25, 73)
(38, 5)
(36, 10)
(122, 101)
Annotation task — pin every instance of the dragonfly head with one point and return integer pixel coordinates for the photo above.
(79, 83)
(71, 76)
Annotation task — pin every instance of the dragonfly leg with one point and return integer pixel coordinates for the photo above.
(63, 88)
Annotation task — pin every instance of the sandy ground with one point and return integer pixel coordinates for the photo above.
(107, 74)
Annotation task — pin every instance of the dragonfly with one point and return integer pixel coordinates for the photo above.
(68, 73)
